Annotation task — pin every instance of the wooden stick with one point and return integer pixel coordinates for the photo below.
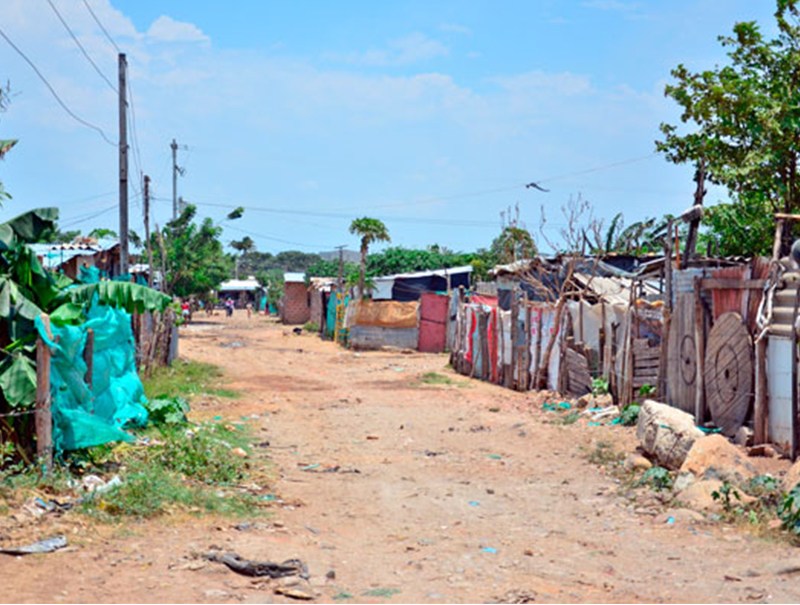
(44, 417)
(794, 405)
(776, 244)
(88, 356)
(699, 347)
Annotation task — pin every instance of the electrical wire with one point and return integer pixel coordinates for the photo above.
(96, 20)
(64, 106)
(80, 46)
(598, 168)
(94, 215)
(277, 239)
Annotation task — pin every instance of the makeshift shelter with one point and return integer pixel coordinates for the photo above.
(295, 306)
(242, 291)
(405, 287)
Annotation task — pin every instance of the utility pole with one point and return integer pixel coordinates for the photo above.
(174, 147)
(340, 282)
(123, 165)
(147, 230)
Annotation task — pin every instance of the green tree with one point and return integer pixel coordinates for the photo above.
(743, 121)
(514, 243)
(272, 281)
(370, 230)
(190, 254)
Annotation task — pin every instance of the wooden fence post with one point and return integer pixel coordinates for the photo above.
(88, 356)
(699, 344)
(44, 417)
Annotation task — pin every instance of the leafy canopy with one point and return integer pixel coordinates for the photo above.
(191, 254)
(743, 121)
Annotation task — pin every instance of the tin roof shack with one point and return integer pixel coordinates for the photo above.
(405, 287)
(295, 307)
(69, 258)
(319, 292)
(242, 291)
(560, 323)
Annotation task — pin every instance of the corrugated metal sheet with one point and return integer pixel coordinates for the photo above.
(374, 337)
(433, 322)
(779, 381)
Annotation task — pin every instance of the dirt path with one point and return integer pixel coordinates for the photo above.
(452, 493)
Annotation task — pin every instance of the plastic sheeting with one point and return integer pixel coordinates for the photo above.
(84, 417)
(387, 314)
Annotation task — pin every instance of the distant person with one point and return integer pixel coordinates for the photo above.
(186, 311)
(249, 308)
(229, 307)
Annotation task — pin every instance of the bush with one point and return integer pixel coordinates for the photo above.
(311, 326)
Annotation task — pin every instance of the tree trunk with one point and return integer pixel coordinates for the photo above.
(362, 271)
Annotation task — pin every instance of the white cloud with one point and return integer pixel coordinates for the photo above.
(413, 48)
(167, 29)
(611, 5)
(543, 83)
(455, 28)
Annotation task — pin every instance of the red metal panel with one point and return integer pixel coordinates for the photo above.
(433, 323)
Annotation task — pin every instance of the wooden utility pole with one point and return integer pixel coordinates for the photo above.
(174, 147)
(340, 281)
(123, 165)
(147, 230)
(694, 221)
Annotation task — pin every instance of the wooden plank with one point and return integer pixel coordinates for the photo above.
(788, 217)
(728, 373)
(699, 344)
(761, 411)
(731, 283)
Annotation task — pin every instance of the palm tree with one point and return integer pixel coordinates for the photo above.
(370, 230)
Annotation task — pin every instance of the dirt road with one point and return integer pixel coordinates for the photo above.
(460, 492)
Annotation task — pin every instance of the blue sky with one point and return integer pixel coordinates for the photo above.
(430, 115)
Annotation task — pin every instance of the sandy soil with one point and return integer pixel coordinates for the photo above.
(463, 492)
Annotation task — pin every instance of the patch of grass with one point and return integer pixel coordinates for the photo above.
(190, 468)
(186, 379)
(311, 326)
(568, 419)
(605, 454)
(381, 592)
(435, 378)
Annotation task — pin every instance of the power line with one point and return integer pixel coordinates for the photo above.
(598, 168)
(80, 46)
(334, 215)
(54, 93)
(96, 20)
(276, 239)
(92, 216)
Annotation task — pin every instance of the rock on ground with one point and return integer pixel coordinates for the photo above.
(792, 477)
(714, 457)
(666, 433)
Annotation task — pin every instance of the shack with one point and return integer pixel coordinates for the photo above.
(406, 287)
(295, 305)
(242, 291)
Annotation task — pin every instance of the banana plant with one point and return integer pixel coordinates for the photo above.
(27, 291)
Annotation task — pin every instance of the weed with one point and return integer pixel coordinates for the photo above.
(435, 378)
(629, 415)
(203, 453)
(725, 494)
(381, 592)
(341, 596)
(646, 390)
(789, 510)
(604, 454)
(167, 410)
(186, 379)
(658, 478)
(311, 326)
(570, 418)
(600, 386)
